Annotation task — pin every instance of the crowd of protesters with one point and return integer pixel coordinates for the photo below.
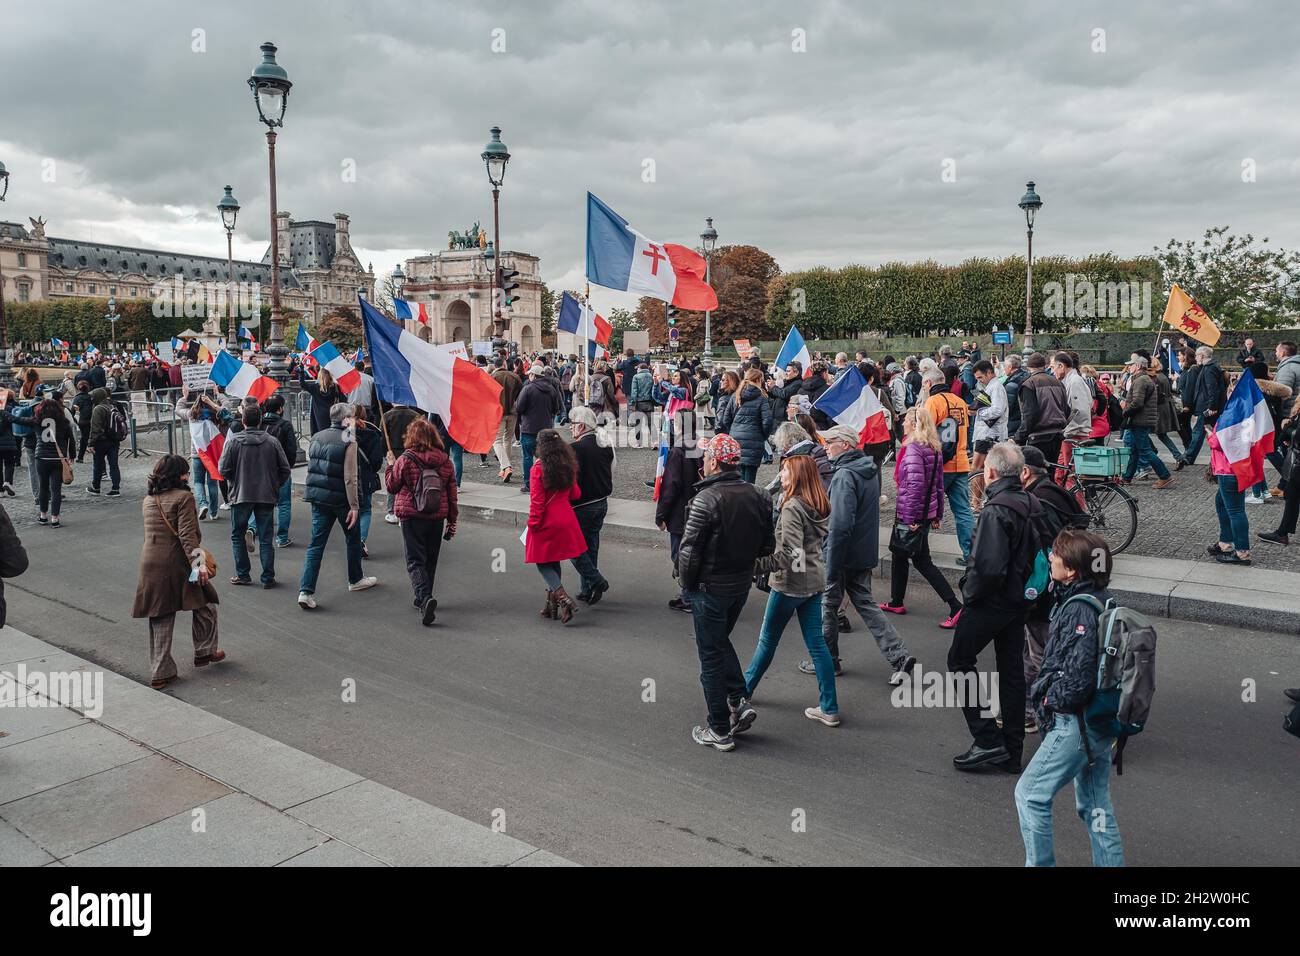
(987, 442)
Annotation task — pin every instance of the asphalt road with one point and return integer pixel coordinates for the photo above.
(494, 708)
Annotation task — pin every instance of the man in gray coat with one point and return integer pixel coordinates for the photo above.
(1288, 366)
(254, 463)
(852, 550)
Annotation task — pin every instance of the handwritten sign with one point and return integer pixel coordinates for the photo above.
(195, 377)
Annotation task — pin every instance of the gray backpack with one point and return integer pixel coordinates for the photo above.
(1126, 674)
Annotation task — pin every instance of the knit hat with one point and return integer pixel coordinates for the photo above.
(724, 449)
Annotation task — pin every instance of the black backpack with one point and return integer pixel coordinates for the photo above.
(426, 496)
(117, 428)
(950, 431)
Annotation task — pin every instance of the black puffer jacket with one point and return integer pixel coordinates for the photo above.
(1044, 407)
(1008, 536)
(728, 527)
(749, 421)
(1068, 677)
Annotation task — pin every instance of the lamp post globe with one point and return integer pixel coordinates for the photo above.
(270, 85)
(228, 207)
(1030, 202)
(495, 156)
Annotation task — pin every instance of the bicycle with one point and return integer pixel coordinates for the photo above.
(1112, 512)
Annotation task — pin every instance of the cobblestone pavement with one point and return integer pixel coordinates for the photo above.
(1177, 522)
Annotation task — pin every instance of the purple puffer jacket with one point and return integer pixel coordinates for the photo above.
(919, 477)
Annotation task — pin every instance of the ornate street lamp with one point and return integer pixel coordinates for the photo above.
(397, 279)
(6, 372)
(270, 85)
(112, 317)
(229, 209)
(1030, 203)
(708, 242)
(495, 156)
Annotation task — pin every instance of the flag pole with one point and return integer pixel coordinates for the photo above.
(586, 352)
(365, 344)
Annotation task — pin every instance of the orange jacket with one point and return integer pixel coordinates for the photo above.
(943, 405)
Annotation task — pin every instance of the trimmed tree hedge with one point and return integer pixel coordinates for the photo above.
(926, 298)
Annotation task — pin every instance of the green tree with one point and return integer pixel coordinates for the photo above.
(342, 327)
(1240, 281)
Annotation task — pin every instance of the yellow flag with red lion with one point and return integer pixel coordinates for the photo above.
(1189, 318)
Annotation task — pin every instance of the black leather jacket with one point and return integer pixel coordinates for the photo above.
(728, 527)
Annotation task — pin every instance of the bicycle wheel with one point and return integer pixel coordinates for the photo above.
(1112, 513)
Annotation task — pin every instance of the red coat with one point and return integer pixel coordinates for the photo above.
(553, 532)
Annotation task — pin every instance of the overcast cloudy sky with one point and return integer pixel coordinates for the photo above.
(828, 156)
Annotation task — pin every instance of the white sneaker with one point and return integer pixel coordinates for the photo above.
(819, 715)
(306, 601)
(225, 506)
(366, 582)
(1255, 499)
(390, 518)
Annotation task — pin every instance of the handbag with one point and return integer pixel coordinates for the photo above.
(904, 540)
(1289, 472)
(209, 562)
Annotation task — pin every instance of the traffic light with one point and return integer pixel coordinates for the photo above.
(508, 286)
(671, 314)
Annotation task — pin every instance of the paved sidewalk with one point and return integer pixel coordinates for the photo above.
(128, 776)
(1192, 590)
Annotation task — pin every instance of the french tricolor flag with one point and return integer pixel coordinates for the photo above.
(582, 321)
(411, 311)
(410, 371)
(852, 402)
(1245, 431)
(241, 379)
(795, 349)
(208, 442)
(341, 369)
(619, 257)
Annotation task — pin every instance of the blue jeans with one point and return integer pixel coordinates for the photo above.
(1139, 439)
(1059, 759)
(956, 485)
(749, 473)
(363, 516)
(715, 615)
(1198, 437)
(239, 522)
(322, 522)
(780, 608)
(284, 511)
(1230, 503)
(527, 443)
(457, 454)
(206, 492)
(591, 518)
